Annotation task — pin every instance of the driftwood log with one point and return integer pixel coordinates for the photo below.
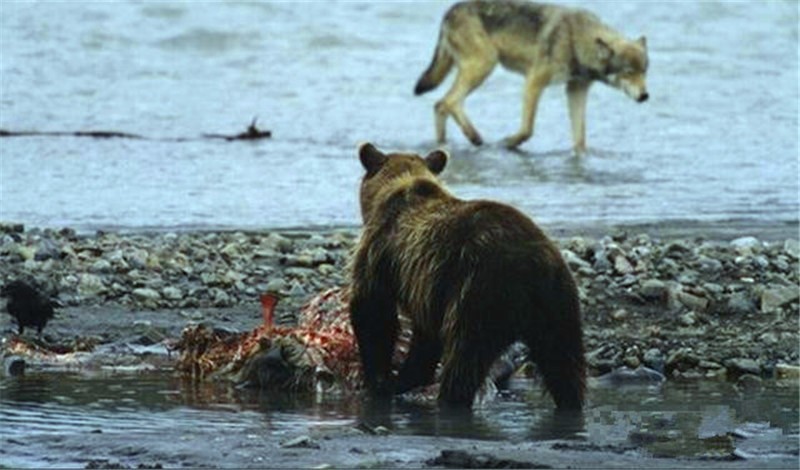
(251, 133)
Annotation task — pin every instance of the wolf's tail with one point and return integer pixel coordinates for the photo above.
(436, 72)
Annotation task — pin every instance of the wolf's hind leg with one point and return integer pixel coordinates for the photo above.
(535, 84)
(472, 71)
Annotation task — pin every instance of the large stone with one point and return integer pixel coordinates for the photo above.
(231, 251)
(136, 258)
(787, 371)
(220, 297)
(742, 365)
(745, 243)
(47, 249)
(172, 293)
(232, 277)
(775, 297)
(654, 289)
(694, 302)
(101, 266)
(574, 261)
(90, 285)
(682, 359)
(25, 253)
(740, 303)
(792, 248)
(709, 265)
(654, 358)
(278, 243)
(622, 265)
(146, 293)
(276, 285)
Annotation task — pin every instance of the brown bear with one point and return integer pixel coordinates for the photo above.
(473, 277)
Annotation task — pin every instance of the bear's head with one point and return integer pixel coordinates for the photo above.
(385, 171)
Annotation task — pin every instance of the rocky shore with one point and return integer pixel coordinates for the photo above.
(689, 308)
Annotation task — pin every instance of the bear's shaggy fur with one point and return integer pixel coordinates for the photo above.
(473, 276)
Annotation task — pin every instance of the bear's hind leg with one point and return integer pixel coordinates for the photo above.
(558, 354)
(556, 340)
(564, 382)
(419, 367)
(466, 363)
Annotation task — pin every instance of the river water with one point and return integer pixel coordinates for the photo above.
(68, 421)
(717, 142)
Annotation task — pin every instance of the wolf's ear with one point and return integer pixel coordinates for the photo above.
(371, 158)
(436, 161)
(604, 51)
(643, 42)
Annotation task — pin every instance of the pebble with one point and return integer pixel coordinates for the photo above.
(303, 442)
(624, 282)
(749, 383)
(14, 366)
(619, 314)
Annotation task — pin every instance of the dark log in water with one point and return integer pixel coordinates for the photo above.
(92, 134)
(252, 133)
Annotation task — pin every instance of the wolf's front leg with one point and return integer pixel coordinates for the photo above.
(535, 84)
(577, 93)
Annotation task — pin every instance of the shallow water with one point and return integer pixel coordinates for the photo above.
(716, 142)
(67, 420)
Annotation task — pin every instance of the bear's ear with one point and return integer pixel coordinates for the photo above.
(371, 158)
(436, 161)
(643, 42)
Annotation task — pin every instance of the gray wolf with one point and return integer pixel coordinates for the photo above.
(548, 44)
(473, 277)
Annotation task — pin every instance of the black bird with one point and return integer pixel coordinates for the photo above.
(27, 305)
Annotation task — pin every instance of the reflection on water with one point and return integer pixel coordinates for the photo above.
(692, 419)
